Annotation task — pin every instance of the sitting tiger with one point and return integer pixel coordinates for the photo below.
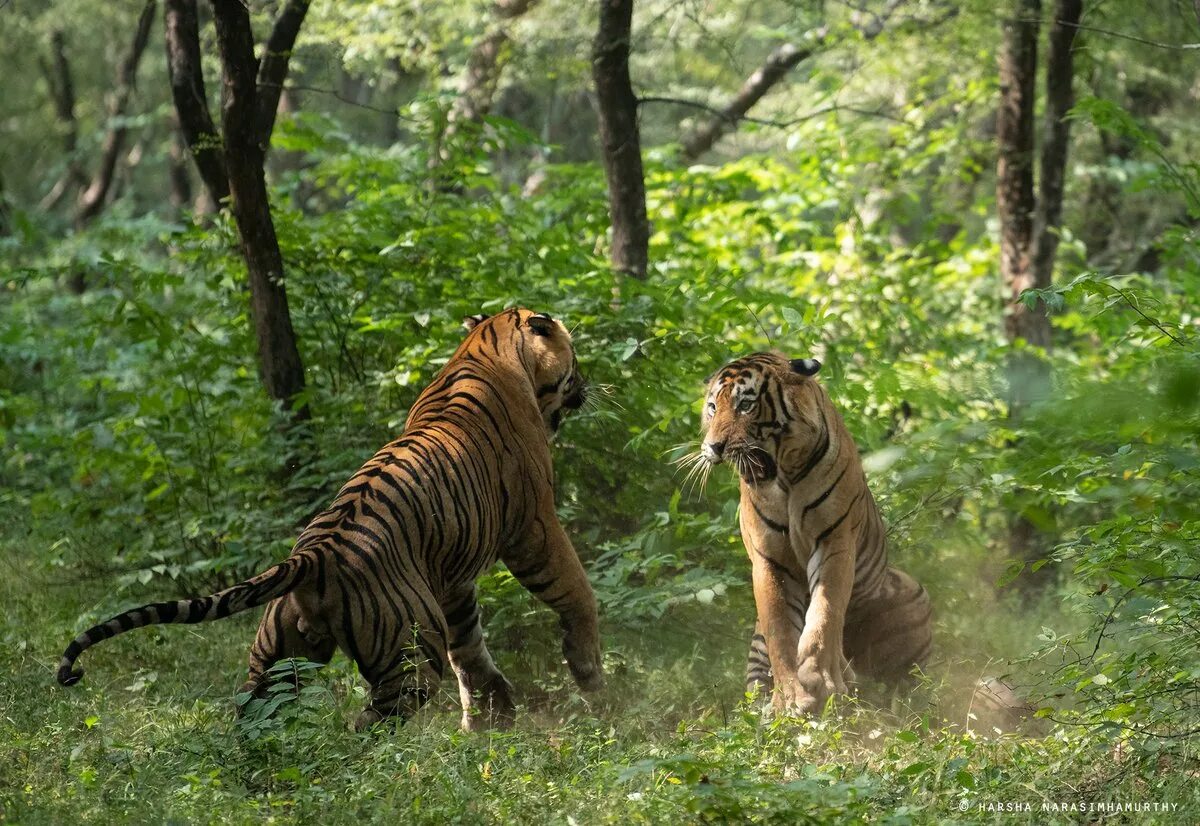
(387, 572)
(827, 600)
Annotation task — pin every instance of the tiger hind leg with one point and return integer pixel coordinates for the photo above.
(486, 695)
(401, 657)
(887, 635)
(283, 633)
(405, 684)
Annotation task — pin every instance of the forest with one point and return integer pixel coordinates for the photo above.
(238, 238)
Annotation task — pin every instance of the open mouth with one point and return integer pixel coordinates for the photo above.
(755, 465)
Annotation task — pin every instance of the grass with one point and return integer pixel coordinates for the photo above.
(149, 736)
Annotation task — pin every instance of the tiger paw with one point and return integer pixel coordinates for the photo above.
(492, 708)
(585, 664)
(810, 689)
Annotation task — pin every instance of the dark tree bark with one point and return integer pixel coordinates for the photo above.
(620, 139)
(245, 153)
(1029, 224)
(191, 100)
(1015, 202)
(781, 61)
(92, 199)
(5, 218)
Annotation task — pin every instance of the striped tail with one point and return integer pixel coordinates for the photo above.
(276, 581)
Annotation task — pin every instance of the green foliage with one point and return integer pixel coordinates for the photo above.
(139, 458)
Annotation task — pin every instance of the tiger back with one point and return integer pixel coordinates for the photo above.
(387, 572)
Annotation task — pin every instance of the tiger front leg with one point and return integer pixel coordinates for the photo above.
(548, 567)
(779, 599)
(759, 679)
(485, 694)
(821, 668)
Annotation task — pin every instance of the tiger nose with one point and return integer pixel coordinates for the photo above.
(713, 450)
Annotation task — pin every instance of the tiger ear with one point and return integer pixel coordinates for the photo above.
(541, 324)
(805, 367)
(472, 321)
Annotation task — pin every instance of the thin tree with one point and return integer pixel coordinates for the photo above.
(619, 138)
(92, 199)
(94, 189)
(485, 63)
(231, 163)
(1030, 211)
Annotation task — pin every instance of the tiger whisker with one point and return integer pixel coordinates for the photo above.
(687, 457)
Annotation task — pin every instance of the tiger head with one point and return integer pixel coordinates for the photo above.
(543, 346)
(753, 419)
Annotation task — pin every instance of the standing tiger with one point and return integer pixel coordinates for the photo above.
(826, 598)
(387, 572)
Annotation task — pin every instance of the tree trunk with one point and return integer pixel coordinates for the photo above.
(92, 199)
(5, 218)
(620, 139)
(1060, 97)
(191, 100)
(245, 153)
(1015, 202)
(1029, 225)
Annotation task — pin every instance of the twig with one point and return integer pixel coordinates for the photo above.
(1183, 47)
(1133, 305)
(1113, 611)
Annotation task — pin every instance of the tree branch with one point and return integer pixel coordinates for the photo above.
(273, 68)
(774, 124)
(781, 61)
(191, 99)
(1158, 44)
(870, 24)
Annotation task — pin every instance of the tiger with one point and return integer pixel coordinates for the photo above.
(828, 604)
(387, 572)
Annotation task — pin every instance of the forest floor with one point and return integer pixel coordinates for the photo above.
(150, 735)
